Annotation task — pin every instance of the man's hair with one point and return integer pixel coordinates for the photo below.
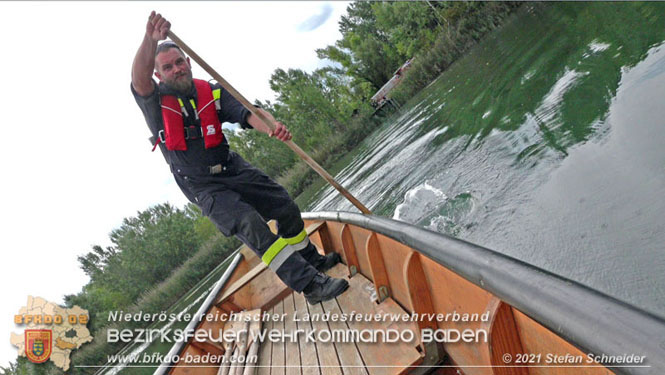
(167, 45)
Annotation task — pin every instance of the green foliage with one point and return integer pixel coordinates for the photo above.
(160, 297)
(300, 175)
(465, 23)
(145, 250)
(378, 37)
(23, 366)
(365, 51)
(410, 26)
(154, 259)
(203, 227)
(317, 108)
(12, 369)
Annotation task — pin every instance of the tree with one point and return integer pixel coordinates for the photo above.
(365, 50)
(144, 251)
(315, 106)
(413, 26)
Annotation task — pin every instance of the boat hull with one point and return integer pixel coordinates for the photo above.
(470, 310)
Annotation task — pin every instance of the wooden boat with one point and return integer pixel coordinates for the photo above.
(535, 322)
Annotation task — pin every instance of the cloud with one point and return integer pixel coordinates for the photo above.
(316, 20)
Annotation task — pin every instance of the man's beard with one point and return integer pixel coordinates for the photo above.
(182, 84)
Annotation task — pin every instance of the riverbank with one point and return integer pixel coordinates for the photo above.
(453, 42)
(470, 25)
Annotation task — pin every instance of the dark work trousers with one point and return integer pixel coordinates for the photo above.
(240, 201)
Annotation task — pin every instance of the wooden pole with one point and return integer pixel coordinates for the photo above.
(238, 96)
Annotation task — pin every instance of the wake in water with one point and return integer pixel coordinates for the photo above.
(429, 207)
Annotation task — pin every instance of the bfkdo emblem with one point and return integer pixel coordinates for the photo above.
(38, 345)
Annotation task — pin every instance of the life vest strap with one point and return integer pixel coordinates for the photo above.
(191, 132)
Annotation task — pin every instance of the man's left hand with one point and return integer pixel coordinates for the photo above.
(281, 133)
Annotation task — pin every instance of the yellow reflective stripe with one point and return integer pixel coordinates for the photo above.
(193, 103)
(216, 97)
(273, 250)
(182, 107)
(297, 239)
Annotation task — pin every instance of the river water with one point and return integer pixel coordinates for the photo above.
(546, 142)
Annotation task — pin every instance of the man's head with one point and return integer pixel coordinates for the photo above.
(172, 67)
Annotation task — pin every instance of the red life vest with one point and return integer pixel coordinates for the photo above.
(172, 113)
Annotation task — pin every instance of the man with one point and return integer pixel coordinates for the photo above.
(185, 117)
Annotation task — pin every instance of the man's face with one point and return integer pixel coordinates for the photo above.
(174, 70)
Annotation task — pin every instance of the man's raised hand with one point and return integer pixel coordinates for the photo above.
(157, 27)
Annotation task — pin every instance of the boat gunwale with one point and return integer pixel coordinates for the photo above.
(603, 324)
(177, 348)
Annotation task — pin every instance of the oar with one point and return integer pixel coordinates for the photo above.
(303, 155)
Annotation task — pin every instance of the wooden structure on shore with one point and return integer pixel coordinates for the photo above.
(382, 97)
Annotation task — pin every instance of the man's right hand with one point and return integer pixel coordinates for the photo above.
(143, 66)
(157, 27)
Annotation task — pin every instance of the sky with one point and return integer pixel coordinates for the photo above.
(77, 160)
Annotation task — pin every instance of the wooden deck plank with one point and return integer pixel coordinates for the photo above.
(325, 350)
(292, 350)
(241, 282)
(376, 355)
(254, 343)
(265, 352)
(349, 356)
(192, 369)
(278, 346)
(308, 355)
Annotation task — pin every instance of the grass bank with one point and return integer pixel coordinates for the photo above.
(162, 297)
(300, 176)
(451, 43)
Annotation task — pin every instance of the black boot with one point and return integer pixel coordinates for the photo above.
(327, 262)
(324, 288)
(322, 263)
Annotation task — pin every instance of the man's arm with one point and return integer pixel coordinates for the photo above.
(280, 132)
(144, 61)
